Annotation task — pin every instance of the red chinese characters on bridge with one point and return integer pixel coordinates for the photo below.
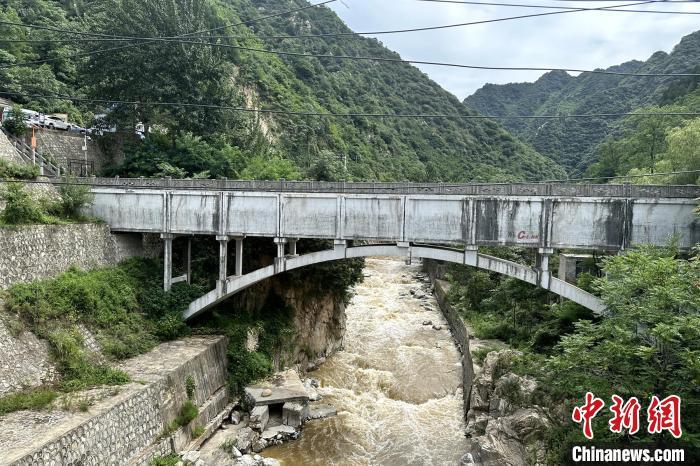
(662, 415)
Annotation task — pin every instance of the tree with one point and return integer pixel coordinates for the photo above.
(159, 71)
(271, 169)
(649, 344)
(683, 152)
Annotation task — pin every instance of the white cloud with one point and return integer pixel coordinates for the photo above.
(583, 40)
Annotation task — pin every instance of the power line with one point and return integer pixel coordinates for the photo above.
(109, 38)
(391, 60)
(151, 40)
(552, 7)
(348, 115)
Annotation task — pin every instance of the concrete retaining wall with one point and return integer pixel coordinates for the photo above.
(459, 331)
(127, 428)
(34, 252)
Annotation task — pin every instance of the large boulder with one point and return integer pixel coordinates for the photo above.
(245, 439)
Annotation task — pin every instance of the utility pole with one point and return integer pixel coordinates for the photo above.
(85, 154)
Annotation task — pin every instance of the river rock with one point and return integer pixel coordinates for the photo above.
(259, 417)
(245, 439)
(266, 392)
(235, 417)
(190, 456)
(310, 385)
(504, 426)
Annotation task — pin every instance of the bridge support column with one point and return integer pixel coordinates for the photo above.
(167, 260)
(280, 260)
(223, 264)
(542, 267)
(239, 256)
(188, 264)
(471, 255)
(293, 247)
(405, 247)
(340, 244)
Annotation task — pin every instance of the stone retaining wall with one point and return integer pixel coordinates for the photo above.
(34, 252)
(127, 428)
(459, 331)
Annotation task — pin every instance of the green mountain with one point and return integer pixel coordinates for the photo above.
(419, 149)
(573, 142)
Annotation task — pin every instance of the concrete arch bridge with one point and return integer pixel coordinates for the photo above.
(436, 221)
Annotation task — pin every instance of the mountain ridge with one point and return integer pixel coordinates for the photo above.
(573, 142)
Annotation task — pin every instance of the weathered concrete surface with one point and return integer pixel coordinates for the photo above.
(578, 222)
(283, 387)
(125, 423)
(36, 252)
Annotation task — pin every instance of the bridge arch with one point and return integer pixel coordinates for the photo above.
(540, 276)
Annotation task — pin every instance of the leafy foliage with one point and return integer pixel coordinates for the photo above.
(14, 123)
(511, 310)
(18, 171)
(20, 208)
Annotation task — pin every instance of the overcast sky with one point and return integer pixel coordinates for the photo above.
(583, 40)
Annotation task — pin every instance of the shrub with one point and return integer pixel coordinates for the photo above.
(20, 208)
(17, 171)
(190, 387)
(74, 198)
(14, 123)
(188, 412)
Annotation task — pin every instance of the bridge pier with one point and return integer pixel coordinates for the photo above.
(293, 247)
(471, 255)
(239, 256)
(280, 260)
(223, 264)
(167, 260)
(542, 267)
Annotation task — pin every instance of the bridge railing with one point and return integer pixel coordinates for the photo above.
(476, 189)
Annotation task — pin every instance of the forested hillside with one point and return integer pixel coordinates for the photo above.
(574, 142)
(210, 141)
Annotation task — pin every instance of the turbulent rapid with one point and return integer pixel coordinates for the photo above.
(396, 384)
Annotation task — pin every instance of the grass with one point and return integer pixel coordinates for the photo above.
(28, 400)
(197, 431)
(169, 460)
(124, 307)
